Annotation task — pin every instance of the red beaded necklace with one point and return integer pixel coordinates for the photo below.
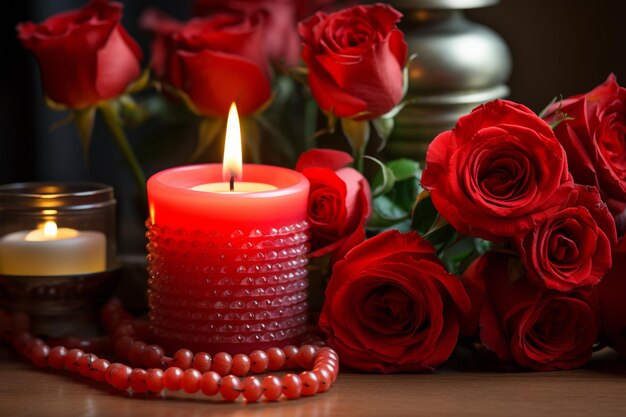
(219, 374)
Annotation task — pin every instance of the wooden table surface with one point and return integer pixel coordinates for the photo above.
(598, 390)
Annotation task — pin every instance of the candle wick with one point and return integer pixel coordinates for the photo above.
(232, 182)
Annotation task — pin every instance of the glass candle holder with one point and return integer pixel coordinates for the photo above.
(57, 253)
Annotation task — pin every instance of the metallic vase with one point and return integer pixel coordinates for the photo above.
(459, 65)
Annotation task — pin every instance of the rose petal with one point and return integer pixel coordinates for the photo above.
(323, 158)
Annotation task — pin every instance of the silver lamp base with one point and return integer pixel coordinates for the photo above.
(460, 64)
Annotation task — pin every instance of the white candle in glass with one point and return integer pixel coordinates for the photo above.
(49, 250)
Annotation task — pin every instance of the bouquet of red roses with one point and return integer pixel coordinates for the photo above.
(525, 208)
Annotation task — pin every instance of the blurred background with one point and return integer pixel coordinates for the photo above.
(558, 47)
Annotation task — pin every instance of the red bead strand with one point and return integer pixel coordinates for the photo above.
(185, 371)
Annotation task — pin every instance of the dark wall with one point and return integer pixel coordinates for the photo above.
(16, 102)
(559, 46)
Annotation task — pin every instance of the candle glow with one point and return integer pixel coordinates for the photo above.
(50, 229)
(232, 163)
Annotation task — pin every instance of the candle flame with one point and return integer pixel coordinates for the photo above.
(232, 165)
(50, 229)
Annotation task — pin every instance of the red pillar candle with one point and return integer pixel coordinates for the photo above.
(227, 269)
(174, 203)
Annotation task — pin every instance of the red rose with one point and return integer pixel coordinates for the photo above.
(215, 60)
(573, 247)
(498, 173)
(355, 59)
(339, 202)
(280, 33)
(391, 305)
(595, 140)
(612, 300)
(85, 55)
(537, 329)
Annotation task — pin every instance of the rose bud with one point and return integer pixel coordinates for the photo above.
(339, 202)
(214, 61)
(85, 55)
(355, 59)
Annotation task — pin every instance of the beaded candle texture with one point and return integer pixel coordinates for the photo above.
(227, 269)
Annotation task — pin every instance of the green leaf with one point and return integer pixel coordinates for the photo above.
(460, 250)
(404, 193)
(406, 73)
(384, 180)
(424, 214)
(357, 132)
(558, 116)
(463, 252)
(442, 237)
(209, 131)
(388, 210)
(184, 97)
(132, 113)
(284, 88)
(140, 83)
(457, 256)
(378, 223)
(438, 224)
(394, 112)
(299, 74)
(403, 227)
(482, 246)
(545, 109)
(404, 169)
(428, 223)
(300, 71)
(563, 117)
(383, 127)
(54, 105)
(84, 120)
(331, 122)
(166, 110)
(126, 103)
